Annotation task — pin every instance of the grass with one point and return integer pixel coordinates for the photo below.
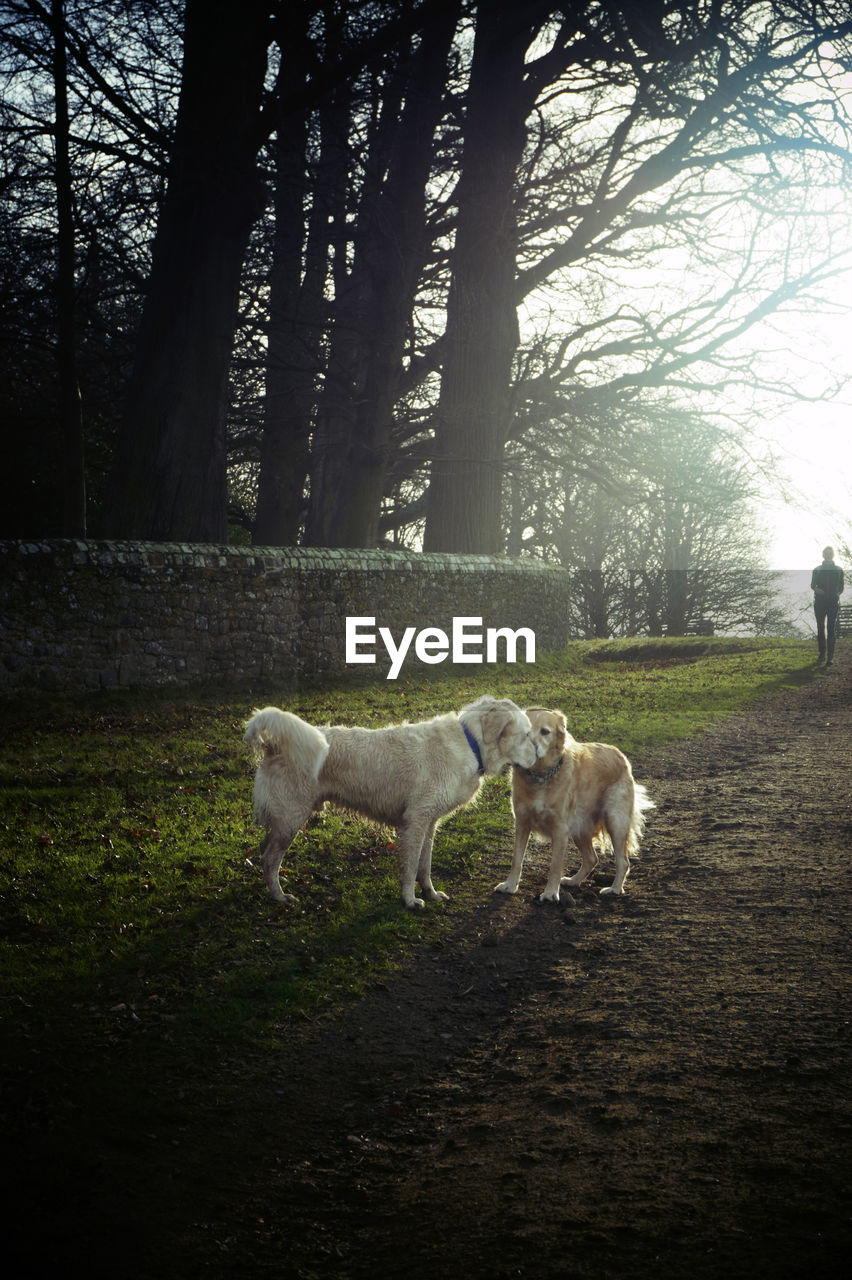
(149, 986)
(129, 878)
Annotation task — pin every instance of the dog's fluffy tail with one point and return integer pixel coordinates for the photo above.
(641, 802)
(278, 733)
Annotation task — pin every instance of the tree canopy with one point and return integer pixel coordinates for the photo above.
(363, 270)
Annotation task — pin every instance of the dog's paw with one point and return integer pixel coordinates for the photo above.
(415, 904)
(551, 895)
(618, 893)
(505, 886)
(286, 899)
(437, 895)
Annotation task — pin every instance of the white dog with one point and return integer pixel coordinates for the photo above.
(580, 791)
(408, 776)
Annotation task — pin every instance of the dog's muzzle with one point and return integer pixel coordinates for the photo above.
(522, 764)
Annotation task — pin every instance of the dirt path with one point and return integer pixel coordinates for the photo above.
(652, 1086)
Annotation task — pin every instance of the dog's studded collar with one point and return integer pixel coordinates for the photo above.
(541, 778)
(474, 746)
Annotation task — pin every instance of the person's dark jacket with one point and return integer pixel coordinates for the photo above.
(827, 581)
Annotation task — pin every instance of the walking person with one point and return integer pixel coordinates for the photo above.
(827, 586)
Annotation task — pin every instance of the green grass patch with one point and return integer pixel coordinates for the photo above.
(130, 885)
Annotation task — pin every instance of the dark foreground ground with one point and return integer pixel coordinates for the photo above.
(653, 1086)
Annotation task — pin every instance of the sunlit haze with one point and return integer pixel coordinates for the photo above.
(813, 442)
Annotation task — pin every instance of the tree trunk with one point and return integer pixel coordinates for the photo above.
(596, 604)
(291, 353)
(354, 441)
(676, 602)
(474, 410)
(299, 280)
(70, 406)
(168, 477)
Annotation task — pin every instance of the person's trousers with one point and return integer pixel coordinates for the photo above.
(825, 612)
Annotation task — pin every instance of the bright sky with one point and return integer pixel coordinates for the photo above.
(814, 444)
(817, 459)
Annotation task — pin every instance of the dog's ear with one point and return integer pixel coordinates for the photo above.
(493, 721)
(561, 730)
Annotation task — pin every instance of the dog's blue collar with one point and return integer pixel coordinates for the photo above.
(474, 746)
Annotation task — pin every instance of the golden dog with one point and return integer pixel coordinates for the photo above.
(580, 791)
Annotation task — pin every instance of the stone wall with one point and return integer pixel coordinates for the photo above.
(87, 615)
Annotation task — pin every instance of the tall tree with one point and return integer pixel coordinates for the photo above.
(648, 120)
(168, 479)
(661, 534)
(352, 451)
(650, 141)
(70, 408)
(474, 411)
(81, 162)
(297, 280)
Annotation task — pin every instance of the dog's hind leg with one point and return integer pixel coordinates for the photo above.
(622, 863)
(274, 846)
(588, 864)
(510, 884)
(424, 869)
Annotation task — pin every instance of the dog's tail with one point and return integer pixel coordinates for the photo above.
(641, 802)
(278, 733)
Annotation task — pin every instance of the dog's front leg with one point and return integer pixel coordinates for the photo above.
(409, 843)
(510, 884)
(557, 864)
(424, 869)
